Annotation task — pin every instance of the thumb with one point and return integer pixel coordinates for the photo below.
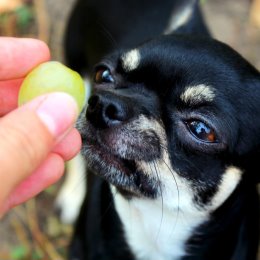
(28, 134)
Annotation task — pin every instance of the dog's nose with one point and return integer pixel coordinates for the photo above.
(107, 109)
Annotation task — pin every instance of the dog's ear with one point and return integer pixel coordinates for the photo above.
(187, 18)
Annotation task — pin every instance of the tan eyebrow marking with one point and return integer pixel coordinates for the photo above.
(131, 60)
(197, 94)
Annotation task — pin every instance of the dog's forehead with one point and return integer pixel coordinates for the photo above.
(168, 61)
(170, 55)
(154, 53)
(200, 68)
(145, 62)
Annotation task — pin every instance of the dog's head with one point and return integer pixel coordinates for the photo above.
(176, 117)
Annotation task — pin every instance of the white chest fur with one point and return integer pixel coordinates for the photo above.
(154, 232)
(158, 229)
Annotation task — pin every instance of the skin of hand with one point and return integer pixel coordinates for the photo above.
(37, 138)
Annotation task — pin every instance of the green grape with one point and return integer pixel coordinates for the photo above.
(52, 76)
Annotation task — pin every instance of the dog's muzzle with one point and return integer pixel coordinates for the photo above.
(118, 136)
(117, 124)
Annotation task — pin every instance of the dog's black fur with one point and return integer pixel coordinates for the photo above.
(96, 28)
(174, 121)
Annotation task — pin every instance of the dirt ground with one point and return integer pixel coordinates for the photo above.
(33, 231)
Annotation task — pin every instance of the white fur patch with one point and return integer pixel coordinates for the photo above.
(229, 182)
(73, 190)
(197, 94)
(131, 60)
(153, 230)
(180, 17)
(159, 229)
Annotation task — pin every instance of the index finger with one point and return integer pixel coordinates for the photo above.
(9, 95)
(19, 55)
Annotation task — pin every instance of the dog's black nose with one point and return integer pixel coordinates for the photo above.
(107, 109)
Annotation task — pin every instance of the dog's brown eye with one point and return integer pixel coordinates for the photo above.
(201, 131)
(103, 75)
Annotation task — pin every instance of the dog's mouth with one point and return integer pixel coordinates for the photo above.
(115, 155)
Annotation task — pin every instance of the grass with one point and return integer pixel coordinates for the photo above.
(33, 231)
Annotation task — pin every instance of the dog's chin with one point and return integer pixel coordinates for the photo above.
(120, 171)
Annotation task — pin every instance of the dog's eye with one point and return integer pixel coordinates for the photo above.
(202, 131)
(103, 75)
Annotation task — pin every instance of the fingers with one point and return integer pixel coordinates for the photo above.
(69, 146)
(9, 95)
(28, 135)
(41, 129)
(18, 56)
(48, 173)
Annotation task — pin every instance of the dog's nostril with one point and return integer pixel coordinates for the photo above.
(93, 102)
(113, 113)
(107, 110)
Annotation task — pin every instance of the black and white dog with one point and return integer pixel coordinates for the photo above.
(171, 133)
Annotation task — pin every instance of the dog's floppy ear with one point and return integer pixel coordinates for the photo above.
(187, 18)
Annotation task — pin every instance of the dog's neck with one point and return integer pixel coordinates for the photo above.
(156, 232)
(159, 229)
(153, 231)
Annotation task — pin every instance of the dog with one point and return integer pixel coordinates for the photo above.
(171, 136)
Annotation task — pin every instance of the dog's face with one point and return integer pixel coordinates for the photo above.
(177, 118)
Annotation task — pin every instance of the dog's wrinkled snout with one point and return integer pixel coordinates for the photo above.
(107, 110)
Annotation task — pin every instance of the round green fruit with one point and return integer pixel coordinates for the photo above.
(52, 76)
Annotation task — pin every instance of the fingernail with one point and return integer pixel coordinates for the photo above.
(58, 112)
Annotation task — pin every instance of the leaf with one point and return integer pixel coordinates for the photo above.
(24, 15)
(19, 253)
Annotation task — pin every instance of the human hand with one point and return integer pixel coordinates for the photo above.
(37, 138)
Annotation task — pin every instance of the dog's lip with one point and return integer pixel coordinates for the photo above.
(128, 179)
(123, 165)
(135, 182)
